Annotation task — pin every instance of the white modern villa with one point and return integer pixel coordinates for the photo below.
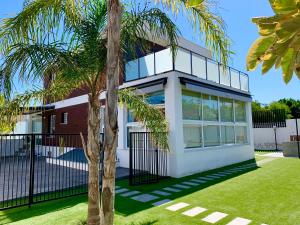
(207, 106)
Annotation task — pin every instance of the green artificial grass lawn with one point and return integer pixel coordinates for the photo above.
(268, 194)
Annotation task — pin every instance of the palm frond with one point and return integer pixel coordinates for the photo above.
(149, 115)
(57, 90)
(31, 61)
(38, 21)
(139, 25)
(209, 24)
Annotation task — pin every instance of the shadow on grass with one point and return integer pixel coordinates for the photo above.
(124, 206)
(21, 213)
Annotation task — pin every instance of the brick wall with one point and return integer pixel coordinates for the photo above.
(77, 119)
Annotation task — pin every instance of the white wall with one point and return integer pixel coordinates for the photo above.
(265, 137)
(183, 162)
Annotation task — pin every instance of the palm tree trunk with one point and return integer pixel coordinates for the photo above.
(111, 119)
(93, 155)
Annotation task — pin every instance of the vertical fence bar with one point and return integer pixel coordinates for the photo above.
(32, 161)
(130, 159)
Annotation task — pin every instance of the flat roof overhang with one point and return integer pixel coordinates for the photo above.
(36, 109)
(213, 89)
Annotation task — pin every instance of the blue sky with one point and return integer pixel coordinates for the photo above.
(242, 32)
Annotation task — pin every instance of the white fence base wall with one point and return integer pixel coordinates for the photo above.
(201, 160)
(265, 137)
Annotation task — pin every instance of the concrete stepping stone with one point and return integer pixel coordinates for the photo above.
(119, 191)
(162, 193)
(226, 172)
(130, 193)
(214, 217)
(213, 176)
(161, 202)
(177, 206)
(194, 211)
(181, 186)
(221, 175)
(198, 181)
(172, 189)
(205, 178)
(190, 183)
(239, 221)
(144, 198)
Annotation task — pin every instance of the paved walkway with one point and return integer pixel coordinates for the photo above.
(213, 217)
(161, 197)
(272, 154)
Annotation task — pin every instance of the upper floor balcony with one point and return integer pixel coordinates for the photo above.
(187, 62)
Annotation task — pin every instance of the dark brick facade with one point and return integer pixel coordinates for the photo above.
(77, 119)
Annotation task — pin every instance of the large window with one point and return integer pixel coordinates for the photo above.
(192, 136)
(240, 111)
(241, 134)
(191, 105)
(155, 98)
(211, 135)
(227, 134)
(210, 108)
(226, 110)
(212, 121)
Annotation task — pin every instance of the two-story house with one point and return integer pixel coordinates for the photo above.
(207, 106)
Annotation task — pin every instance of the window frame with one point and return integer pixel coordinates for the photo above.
(219, 122)
(64, 118)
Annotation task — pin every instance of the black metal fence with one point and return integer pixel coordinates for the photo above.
(147, 163)
(41, 167)
(269, 118)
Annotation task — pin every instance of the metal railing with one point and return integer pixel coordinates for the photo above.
(41, 167)
(187, 62)
(147, 162)
(269, 118)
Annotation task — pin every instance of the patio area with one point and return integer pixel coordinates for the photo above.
(240, 194)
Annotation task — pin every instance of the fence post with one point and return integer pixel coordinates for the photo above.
(31, 173)
(157, 166)
(130, 159)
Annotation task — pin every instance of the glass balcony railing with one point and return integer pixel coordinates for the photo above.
(186, 62)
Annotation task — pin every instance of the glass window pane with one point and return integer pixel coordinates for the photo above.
(147, 65)
(226, 110)
(183, 61)
(235, 79)
(224, 76)
(130, 117)
(227, 134)
(211, 135)
(240, 111)
(199, 66)
(191, 105)
(192, 136)
(244, 82)
(132, 70)
(156, 98)
(212, 71)
(163, 61)
(241, 135)
(210, 108)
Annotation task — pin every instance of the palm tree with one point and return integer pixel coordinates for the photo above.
(278, 44)
(69, 38)
(201, 17)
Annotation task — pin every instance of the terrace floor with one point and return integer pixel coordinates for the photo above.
(237, 195)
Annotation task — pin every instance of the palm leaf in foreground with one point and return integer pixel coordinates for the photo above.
(278, 44)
